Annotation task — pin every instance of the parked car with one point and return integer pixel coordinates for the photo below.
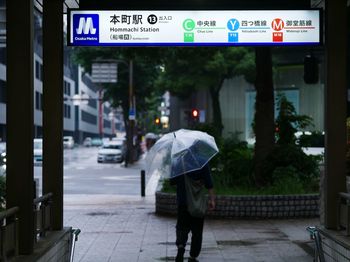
(122, 141)
(38, 151)
(105, 140)
(96, 141)
(87, 142)
(110, 152)
(68, 142)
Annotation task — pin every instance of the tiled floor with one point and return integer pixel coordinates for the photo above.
(117, 228)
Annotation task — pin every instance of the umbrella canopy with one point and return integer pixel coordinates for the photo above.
(180, 152)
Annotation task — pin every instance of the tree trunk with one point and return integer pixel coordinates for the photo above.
(217, 119)
(264, 110)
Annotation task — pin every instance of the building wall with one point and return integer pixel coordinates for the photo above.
(237, 98)
(233, 106)
(92, 111)
(311, 97)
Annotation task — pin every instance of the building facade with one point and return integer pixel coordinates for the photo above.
(92, 119)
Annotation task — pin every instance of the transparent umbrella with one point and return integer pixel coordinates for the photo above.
(180, 152)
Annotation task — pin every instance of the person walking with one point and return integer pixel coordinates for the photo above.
(192, 204)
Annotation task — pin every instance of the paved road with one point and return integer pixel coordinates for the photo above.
(83, 175)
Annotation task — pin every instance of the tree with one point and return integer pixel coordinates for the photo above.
(187, 69)
(145, 71)
(288, 122)
(264, 110)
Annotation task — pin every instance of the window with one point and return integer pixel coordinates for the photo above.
(66, 88)
(38, 101)
(92, 103)
(38, 70)
(67, 111)
(88, 118)
(2, 91)
(106, 123)
(291, 94)
(3, 56)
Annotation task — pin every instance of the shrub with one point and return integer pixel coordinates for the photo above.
(286, 181)
(292, 159)
(288, 122)
(233, 164)
(315, 139)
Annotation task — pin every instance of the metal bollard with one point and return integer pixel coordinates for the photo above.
(143, 182)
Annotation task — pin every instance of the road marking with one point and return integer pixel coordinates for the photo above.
(116, 178)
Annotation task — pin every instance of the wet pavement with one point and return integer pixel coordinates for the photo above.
(126, 228)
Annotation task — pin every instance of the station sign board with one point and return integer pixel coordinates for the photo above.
(194, 28)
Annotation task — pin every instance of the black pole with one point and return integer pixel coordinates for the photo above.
(143, 182)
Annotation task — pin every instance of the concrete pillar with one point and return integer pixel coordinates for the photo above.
(53, 106)
(335, 116)
(20, 85)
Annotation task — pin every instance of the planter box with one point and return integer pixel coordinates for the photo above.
(269, 206)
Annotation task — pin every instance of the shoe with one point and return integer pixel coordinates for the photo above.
(180, 254)
(192, 259)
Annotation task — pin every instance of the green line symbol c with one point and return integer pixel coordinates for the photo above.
(188, 24)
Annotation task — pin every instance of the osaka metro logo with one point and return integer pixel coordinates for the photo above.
(85, 28)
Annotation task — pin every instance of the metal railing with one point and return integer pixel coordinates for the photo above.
(8, 233)
(315, 235)
(344, 200)
(42, 215)
(74, 238)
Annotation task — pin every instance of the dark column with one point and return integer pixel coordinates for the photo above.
(19, 116)
(335, 98)
(53, 106)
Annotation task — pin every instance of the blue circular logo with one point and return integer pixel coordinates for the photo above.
(233, 24)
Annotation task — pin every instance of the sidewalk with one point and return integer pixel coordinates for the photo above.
(124, 228)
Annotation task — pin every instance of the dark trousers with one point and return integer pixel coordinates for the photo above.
(185, 224)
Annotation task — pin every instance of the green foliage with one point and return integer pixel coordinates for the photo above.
(286, 182)
(290, 157)
(234, 164)
(288, 122)
(145, 72)
(188, 69)
(315, 139)
(211, 129)
(167, 187)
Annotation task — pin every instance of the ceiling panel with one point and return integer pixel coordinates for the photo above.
(66, 4)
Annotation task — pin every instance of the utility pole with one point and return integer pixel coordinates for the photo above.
(132, 115)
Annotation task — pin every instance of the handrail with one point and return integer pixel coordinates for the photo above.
(8, 233)
(43, 198)
(344, 199)
(42, 215)
(75, 233)
(8, 212)
(315, 235)
(344, 195)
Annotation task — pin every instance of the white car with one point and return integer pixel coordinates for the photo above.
(38, 151)
(68, 142)
(110, 152)
(87, 142)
